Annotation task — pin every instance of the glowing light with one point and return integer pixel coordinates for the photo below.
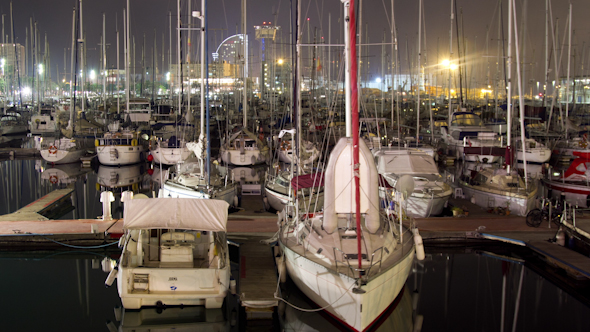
(168, 76)
(92, 74)
(445, 63)
(378, 80)
(453, 66)
(280, 61)
(40, 68)
(26, 90)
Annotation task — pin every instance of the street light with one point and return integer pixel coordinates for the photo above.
(40, 68)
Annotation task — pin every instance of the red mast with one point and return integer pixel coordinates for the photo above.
(355, 124)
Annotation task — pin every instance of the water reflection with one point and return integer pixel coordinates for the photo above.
(171, 319)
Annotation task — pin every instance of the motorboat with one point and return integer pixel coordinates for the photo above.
(175, 253)
(119, 148)
(191, 181)
(430, 194)
(496, 187)
(243, 148)
(321, 249)
(61, 151)
(468, 138)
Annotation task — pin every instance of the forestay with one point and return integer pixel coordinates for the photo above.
(176, 213)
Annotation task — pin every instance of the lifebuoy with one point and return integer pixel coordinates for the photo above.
(53, 149)
(134, 142)
(96, 142)
(53, 179)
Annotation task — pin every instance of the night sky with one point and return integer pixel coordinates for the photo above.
(147, 16)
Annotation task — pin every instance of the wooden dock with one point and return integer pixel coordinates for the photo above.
(258, 278)
(575, 264)
(41, 207)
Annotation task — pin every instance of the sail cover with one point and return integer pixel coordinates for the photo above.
(307, 181)
(176, 213)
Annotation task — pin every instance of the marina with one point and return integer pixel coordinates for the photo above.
(334, 169)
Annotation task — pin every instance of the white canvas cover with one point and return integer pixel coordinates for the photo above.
(176, 213)
(407, 164)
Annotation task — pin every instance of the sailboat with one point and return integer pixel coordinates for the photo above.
(349, 259)
(67, 149)
(195, 177)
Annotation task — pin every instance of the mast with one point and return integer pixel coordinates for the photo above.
(520, 98)
(567, 84)
(419, 70)
(509, 91)
(245, 69)
(72, 73)
(355, 121)
(127, 57)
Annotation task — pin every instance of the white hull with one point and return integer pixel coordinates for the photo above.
(324, 287)
(482, 158)
(242, 158)
(170, 156)
(276, 200)
(228, 194)
(518, 205)
(425, 206)
(576, 194)
(115, 155)
(62, 156)
(538, 156)
(174, 286)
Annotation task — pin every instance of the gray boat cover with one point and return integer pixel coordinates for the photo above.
(176, 213)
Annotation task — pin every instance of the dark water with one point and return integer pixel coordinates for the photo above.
(454, 289)
(468, 290)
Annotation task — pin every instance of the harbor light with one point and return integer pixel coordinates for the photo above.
(40, 68)
(168, 76)
(92, 74)
(280, 61)
(378, 80)
(26, 90)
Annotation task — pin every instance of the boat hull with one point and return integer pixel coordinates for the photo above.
(170, 156)
(575, 194)
(517, 204)
(537, 156)
(333, 290)
(242, 158)
(174, 287)
(62, 156)
(114, 155)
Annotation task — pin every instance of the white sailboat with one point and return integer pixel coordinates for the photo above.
(536, 152)
(61, 151)
(170, 151)
(243, 148)
(350, 260)
(175, 252)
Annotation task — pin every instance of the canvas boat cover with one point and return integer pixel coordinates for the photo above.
(176, 213)
(307, 181)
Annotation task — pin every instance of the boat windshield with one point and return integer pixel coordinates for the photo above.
(466, 119)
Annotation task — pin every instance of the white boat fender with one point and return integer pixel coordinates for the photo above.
(232, 287)
(282, 269)
(560, 237)
(112, 276)
(419, 245)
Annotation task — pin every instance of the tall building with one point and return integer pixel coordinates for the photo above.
(266, 34)
(12, 63)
